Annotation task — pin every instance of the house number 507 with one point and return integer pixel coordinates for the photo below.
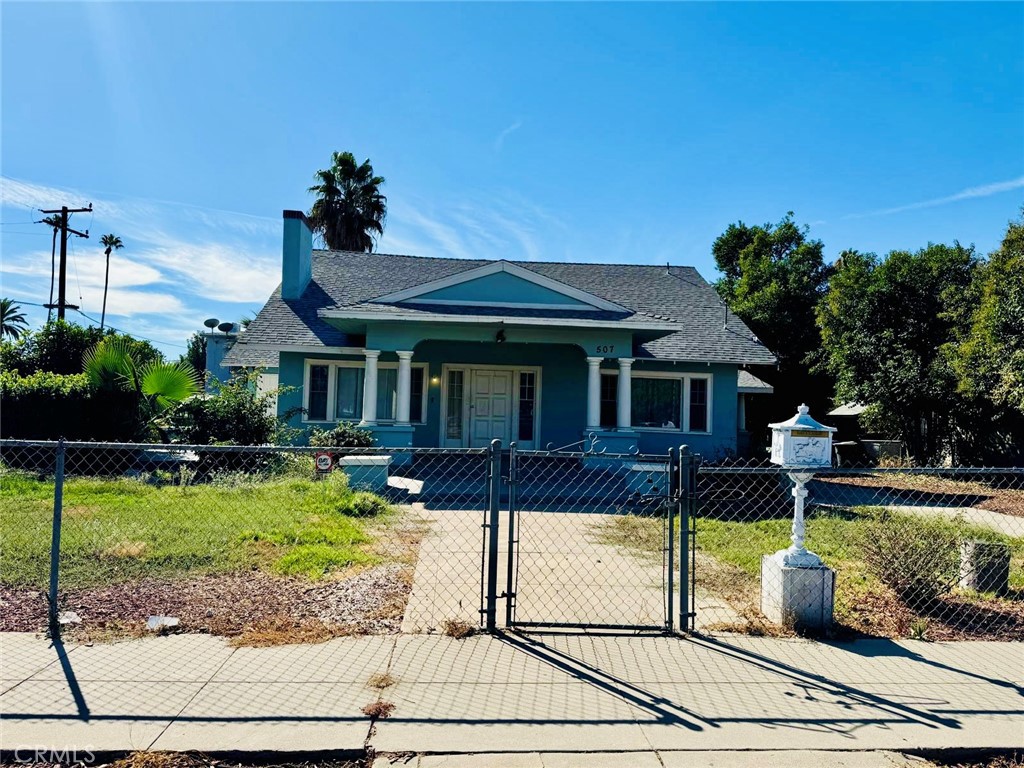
(606, 349)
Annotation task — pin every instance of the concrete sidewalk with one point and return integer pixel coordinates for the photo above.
(512, 694)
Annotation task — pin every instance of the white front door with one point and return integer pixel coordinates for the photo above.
(490, 408)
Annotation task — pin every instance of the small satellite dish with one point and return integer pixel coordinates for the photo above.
(226, 327)
(211, 322)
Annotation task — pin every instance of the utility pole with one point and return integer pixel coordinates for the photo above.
(64, 212)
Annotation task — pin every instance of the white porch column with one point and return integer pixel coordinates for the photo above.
(594, 393)
(625, 393)
(404, 387)
(370, 388)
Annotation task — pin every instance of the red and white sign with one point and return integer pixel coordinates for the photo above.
(323, 462)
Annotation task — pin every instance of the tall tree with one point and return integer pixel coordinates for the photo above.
(195, 353)
(349, 210)
(109, 243)
(885, 326)
(773, 278)
(12, 320)
(990, 358)
(53, 221)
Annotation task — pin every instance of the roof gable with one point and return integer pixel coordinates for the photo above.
(501, 284)
(671, 293)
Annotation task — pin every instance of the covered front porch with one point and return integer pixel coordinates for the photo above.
(462, 381)
(464, 394)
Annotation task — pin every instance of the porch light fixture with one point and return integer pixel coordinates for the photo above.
(500, 336)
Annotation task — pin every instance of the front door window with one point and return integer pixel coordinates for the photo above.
(527, 404)
(453, 405)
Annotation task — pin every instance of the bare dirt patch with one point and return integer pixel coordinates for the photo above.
(252, 608)
(875, 612)
(198, 760)
(1008, 501)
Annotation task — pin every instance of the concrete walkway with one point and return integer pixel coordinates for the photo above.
(565, 574)
(526, 696)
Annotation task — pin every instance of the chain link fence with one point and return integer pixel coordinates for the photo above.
(247, 542)
(929, 553)
(256, 544)
(591, 539)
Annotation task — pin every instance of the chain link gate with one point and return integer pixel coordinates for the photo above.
(592, 540)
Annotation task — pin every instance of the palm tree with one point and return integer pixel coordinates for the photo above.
(12, 321)
(52, 221)
(349, 210)
(111, 243)
(154, 386)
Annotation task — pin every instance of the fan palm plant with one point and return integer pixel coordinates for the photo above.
(12, 320)
(110, 243)
(349, 210)
(153, 386)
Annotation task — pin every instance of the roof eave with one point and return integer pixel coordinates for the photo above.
(510, 320)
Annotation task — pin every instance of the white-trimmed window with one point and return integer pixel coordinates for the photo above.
(667, 401)
(334, 391)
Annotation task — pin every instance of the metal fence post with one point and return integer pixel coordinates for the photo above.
(510, 589)
(494, 502)
(58, 508)
(671, 505)
(684, 495)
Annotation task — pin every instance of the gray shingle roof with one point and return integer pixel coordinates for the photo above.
(250, 356)
(657, 295)
(746, 381)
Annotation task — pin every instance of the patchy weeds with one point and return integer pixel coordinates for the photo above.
(379, 710)
(457, 628)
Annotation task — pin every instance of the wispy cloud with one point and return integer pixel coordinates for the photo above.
(499, 142)
(181, 262)
(487, 227)
(984, 190)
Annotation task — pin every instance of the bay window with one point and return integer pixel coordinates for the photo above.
(660, 401)
(334, 392)
(657, 402)
(316, 405)
(349, 398)
(609, 401)
(698, 405)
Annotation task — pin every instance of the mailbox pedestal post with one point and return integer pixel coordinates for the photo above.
(797, 588)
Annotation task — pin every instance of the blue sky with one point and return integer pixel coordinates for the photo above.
(592, 132)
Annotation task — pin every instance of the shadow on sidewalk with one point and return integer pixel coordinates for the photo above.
(815, 687)
(661, 678)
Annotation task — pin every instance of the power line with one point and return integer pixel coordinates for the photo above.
(133, 335)
(78, 282)
(65, 212)
(93, 319)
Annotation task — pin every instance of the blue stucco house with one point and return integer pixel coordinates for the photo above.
(438, 352)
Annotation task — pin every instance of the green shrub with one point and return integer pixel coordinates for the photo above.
(345, 435)
(365, 504)
(918, 557)
(231, 413)
(47, 406)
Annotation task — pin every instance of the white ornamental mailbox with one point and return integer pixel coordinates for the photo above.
(802, 442)
(796, 586)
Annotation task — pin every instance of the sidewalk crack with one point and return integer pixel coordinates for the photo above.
(191, 699)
